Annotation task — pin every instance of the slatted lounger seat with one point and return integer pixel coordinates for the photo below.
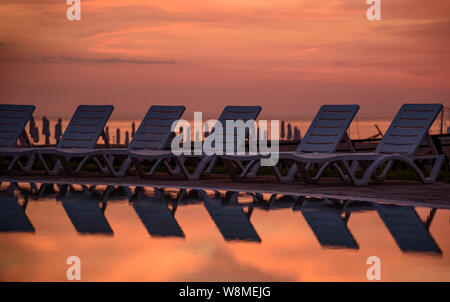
(13, 119)
(326, 131)
(79, 139)
(400, 143)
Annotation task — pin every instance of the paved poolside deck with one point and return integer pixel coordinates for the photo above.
(401, 192)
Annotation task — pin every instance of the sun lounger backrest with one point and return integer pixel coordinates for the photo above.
(86, 126)
(408, 129)
(13, 119)
(235, 113)
(328, 128)
(155, 129)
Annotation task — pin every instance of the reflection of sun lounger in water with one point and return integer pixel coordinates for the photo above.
(325, 219)
(191, 196)
(230, 218)
(156, 214)
(275, 201)
(86, 211)
(408, 230)
(119, 193)
(12, 214)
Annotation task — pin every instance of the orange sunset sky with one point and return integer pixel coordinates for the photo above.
(289, 56)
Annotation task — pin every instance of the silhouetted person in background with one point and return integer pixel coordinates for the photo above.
(133, 129)
(118, 136)
(127, 138)
(106, 138)
(289, 132)
(296, 134)
(46, 129)
(58, 130)
(34, 131)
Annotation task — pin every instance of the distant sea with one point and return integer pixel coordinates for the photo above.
(360, 128)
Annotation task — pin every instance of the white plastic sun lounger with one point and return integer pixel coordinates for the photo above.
(86, 211)
(149, 144)
(408, 230)
(13, 119)
(155, 213)
(229, 217)
(327, 130)
(400, 143)
(206, 163)
(79, 139)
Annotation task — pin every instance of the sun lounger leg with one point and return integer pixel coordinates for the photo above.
(140, 169)
(124, 167)
(211, 166)
(249, 169)
(103, 169)
(172, 171)
(199, 169)
(65, 160)
(13, 163)
(335, 166)
(252, 173)
(385, 172)
(290, 176)
(304, 172)
(109, 161)
(352, 174)
(154, 167)
(56, 168)
(65, 164)
(435, 170)
(81, 164)
(29, 165)
(229, 165)
(371, 170)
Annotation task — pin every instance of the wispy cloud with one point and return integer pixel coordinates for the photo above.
(307, 50)
(68, 59)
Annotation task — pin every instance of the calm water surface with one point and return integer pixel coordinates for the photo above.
(155, 234)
